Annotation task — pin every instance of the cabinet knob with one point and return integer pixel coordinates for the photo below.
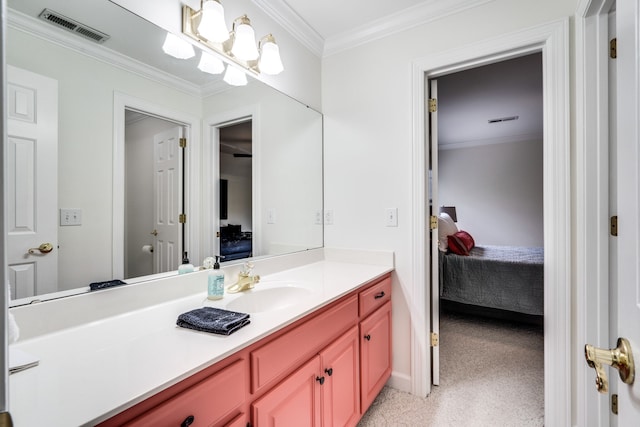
(320, 380)
(329, 371)
(367, 337)
(379, 295)
(188, 421)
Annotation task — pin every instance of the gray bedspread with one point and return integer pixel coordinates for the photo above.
(503, 277)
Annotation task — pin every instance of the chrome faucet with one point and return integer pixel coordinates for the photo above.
(245, 281)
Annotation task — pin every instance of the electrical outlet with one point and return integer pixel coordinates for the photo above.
(392, 217)
(318, 220)
(271, 216)
(70, 217)
(328, 217)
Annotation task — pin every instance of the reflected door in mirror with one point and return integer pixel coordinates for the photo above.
(32, 183)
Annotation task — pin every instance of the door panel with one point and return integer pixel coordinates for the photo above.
(32, 182)
(628, 195)
(433, 197)
(167, 195)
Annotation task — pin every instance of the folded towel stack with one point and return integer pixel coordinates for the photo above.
(214, 320)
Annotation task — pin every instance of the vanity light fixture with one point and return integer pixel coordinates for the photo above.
(270, 62)
(235, 76)
(237, 47)
(210, 64)
(178, 48)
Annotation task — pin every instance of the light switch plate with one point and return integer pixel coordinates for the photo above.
(70, 217)
(392, 217)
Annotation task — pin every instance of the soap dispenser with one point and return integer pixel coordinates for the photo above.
(215, 282)
(186, 266)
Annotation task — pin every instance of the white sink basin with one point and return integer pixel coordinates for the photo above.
(267, 299)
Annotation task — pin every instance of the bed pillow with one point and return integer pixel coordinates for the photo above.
(461, 243)
(446, 227)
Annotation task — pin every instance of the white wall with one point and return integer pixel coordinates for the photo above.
(85, 178)
(497, 191)
(367, 102)
(237, 171)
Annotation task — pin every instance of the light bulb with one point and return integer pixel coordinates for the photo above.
(212, 26)
(178, 48)
(244, 44)
(270, 62)
(210, 64)
(234, 76)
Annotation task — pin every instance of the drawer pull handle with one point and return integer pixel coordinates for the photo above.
(320, 380)
(329, 371)
(379, 295)
(188, 421)
(367, 337)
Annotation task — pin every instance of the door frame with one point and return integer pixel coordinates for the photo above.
(553, 40)
(192, 125)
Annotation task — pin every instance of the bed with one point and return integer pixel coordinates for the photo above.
(234, 243)
(497, 277)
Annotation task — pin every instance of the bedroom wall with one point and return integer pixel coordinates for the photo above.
(497, 191)
(367, 103)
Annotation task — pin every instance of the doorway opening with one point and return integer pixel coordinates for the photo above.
(486, 170)
(154, 194)
(235, 194)
(552, 40)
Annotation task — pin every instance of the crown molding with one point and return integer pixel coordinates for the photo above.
(287, 18)
(422, 13)
(33, 26)
(491, 141)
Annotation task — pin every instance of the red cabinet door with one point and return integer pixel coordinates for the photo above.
(375, 354)
(341, 388)
(293, 402)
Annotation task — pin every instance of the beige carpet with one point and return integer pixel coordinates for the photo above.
(491, 374)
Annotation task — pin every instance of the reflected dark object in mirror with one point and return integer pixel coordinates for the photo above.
(224, 184)
(234, 243)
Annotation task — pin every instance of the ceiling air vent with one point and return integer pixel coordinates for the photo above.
(69, 24)
(503, 119)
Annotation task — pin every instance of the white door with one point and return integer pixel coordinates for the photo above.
(32, 183)
(628, 200)
(167, 192)
(433, 201)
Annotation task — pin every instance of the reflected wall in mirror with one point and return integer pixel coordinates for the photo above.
(89, 78)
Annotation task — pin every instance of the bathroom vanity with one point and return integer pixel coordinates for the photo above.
(319, 356)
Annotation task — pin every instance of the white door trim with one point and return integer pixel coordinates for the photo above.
(591, 281)
(122, 101)
(553, 40)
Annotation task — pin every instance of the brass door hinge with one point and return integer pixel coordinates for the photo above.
(614, 403)
(613, 48)
(182, 219)
(183, 142)
(435, 339)
(433, 105)
(614, 225)
(433, 222)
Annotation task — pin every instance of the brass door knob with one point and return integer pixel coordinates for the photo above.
(620, 358)
(155, 233)
(44, 248)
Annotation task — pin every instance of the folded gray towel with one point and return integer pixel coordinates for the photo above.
(214, 320)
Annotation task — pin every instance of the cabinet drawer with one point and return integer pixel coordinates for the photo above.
(294, 347)
(209, 401)
(375, 296)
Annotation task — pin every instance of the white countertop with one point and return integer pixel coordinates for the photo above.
(92, 371)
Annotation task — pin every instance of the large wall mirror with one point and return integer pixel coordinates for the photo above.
(87, 123)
